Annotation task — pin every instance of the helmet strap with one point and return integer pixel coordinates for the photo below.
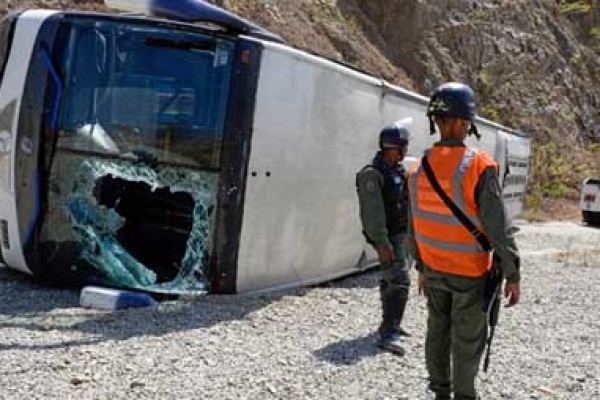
(473, 131)
(431, 126)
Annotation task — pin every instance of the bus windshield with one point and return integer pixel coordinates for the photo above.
(133, 159)
(136, 90)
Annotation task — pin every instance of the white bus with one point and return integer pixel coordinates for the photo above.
(149, 152)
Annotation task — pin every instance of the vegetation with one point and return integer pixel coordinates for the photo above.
(595, 33)
(574, 7)
(594, 38)
(574, 61)
(490, 112)
(558, 170)
(480, 14)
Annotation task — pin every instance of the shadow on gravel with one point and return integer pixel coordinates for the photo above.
(30, 307)
(98, 326)
(21, 295)
(349, 352)
(365, 279)
(26, 306)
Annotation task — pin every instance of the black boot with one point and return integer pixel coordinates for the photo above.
(393, 303)
(391, 342)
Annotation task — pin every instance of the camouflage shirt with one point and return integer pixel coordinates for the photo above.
(383, 200)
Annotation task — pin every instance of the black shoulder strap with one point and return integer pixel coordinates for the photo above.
(458, 213)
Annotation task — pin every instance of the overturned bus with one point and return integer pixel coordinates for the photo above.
(154, 153)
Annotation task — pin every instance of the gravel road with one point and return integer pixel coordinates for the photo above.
(311, 343)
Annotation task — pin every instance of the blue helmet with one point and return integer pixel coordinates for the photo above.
(455, 100)
(393, 137)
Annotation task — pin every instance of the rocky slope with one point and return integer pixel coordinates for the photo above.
(535, 64)
(532, 63)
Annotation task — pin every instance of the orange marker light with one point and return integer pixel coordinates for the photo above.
(245, 58)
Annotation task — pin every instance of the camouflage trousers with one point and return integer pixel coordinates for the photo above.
(394, 286)
(396, 274)
(456, 333)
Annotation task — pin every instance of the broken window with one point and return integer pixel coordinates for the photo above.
(134, 169)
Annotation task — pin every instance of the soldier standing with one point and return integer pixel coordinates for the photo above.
(453, 260)
(383, 204)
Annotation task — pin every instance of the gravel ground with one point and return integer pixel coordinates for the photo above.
(311, 343)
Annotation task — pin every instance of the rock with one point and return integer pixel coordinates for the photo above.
(136, 384)
(546, 390)
(78, 380)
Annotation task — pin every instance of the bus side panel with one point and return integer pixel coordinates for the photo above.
(411, 114)
(314, 128)
(36, 119)
(512, 154)
(488, 141)
(515, 185)
(316, 124)
(27, 28)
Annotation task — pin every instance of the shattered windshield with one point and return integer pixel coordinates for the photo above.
(134, 163)
(139, 90)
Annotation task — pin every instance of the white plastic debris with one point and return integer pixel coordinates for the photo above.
(114, 299)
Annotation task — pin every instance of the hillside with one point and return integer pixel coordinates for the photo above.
(535, 65)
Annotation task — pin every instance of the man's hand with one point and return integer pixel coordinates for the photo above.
(422, 281)
(386, 254)
(513, 292)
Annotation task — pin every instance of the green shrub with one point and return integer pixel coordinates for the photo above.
(574, 61)
(577, 7)
(490, 112)
(479, 14)
(594, 38)
(558, 170)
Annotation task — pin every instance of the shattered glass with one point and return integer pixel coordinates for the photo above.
(78, 216)
(132, 181)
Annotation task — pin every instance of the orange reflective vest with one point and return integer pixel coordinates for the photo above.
(443, 242)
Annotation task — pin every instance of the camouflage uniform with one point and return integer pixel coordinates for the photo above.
(456, 324)
(383, 211)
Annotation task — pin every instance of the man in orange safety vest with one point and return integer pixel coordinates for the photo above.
(452, 259)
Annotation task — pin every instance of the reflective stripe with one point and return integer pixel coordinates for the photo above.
(450, 246)
(413, 178)
(439, 218)
(457, 189)
(417, 212)
(457, 194)
(457, 179)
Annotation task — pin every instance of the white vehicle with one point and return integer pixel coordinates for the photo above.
(156, 154)
(590, 201)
